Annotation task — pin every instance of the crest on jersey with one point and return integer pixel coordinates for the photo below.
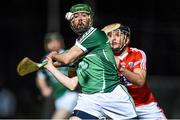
(131, 64)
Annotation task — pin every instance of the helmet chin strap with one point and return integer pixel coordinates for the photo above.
(119, 51)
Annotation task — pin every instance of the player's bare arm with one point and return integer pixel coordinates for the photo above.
(137, 77)
(70, 83)
(68, 57)
(43, 87)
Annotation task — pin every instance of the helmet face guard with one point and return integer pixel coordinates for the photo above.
(81, 25)
(117, 39)
(80, 8)
(125, 30)
(122, 31)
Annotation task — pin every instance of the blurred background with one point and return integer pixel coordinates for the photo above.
(155, 26)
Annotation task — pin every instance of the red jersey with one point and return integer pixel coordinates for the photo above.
(135, 58)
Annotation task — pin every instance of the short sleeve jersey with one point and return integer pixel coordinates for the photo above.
(135, 58)
(97, 71)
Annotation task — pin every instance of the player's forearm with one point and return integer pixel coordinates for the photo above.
(70, 83)
(63, 58)
(69, 57)
(60, 58)
(133, 77)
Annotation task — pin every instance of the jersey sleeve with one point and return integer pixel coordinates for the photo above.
(140, 60)
(90, 40)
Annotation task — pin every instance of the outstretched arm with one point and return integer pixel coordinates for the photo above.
(67, 57)
(70, 83)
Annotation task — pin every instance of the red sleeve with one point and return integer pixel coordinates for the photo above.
(140, 60)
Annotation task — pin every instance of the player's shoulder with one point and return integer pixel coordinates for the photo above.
(90, 31)
(87, 34)
(137, 51)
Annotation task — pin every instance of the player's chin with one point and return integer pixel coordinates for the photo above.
(115, 46)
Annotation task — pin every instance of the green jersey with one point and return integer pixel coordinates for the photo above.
(58, 88)
(97, 71)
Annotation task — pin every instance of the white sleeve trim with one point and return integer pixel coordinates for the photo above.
(81, 47)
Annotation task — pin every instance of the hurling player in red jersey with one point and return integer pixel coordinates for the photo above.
(131, 63)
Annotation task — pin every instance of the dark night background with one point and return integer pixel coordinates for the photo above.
(155, 26)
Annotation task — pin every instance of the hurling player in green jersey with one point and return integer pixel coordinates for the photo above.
(64, 99)
(102, 94)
